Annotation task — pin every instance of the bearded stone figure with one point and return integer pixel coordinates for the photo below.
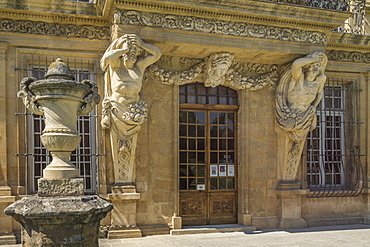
(298, 94)
(124, 63)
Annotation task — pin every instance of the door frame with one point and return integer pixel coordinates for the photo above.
(196, 200)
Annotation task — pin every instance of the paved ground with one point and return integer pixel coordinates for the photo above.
(328, 236)
(351, 236)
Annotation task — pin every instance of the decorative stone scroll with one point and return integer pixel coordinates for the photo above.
(123, 110)
(44, 28)
(347, 56)
(297, 96)
(203, 25)
(219, 69)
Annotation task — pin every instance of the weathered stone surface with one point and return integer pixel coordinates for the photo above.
(60, 187)
(58, 221)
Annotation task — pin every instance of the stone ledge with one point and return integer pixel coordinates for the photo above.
(265, 222)
(125, 233)
(5, 190)
(7, 239)
(213, 229)
(124, 196)
(291, 192)
(292, 223)
(59, 221)
(7, 199)
(45, 208)
(329, 220)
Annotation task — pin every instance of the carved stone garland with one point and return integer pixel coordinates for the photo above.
(225, 72)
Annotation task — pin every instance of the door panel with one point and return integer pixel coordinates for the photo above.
(193, 208)
(208, 169)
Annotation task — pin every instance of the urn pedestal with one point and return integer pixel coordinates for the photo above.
(60, 214)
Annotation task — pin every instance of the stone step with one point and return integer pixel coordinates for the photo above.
(125, 233)
(212, 229)
(148, 230)
(7, 239)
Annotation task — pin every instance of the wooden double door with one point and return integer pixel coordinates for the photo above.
(208, 167)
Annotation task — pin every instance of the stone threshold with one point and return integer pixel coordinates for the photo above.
(212, 229)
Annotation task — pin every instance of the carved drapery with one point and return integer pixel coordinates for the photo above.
(204, 25)
(124, 63)
(236, 75)
(56, 29)
(297, 96)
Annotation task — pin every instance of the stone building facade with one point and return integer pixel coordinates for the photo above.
(210, 150)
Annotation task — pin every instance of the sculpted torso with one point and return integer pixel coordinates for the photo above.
(126, 84)
(304, 93)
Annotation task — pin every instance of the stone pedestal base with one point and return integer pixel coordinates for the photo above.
(245, 219)
(123, 217)
(176, 222)
(60, 187)
(60, 221)
(295, 223)
(290, 209)
(6, 224)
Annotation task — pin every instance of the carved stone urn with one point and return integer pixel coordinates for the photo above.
(61, 214)
(60, 99)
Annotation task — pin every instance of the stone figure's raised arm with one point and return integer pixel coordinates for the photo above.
(154, 52)
(112, 57)
(298, 64)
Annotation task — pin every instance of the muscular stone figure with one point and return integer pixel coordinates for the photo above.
(124, 63)
(297, 96)
(307, 82)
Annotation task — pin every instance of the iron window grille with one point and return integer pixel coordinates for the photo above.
(37, 156)
(333, 155)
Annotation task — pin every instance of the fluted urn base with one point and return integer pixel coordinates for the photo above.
(61, 146)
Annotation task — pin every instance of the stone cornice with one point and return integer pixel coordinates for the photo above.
(52, 17)
(216, 13)
(55, 29)
(349, 47)
(212, 26)
(348, 56)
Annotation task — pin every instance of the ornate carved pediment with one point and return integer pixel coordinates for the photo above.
(216, 69)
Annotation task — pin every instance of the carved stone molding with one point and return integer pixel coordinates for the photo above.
(347, 56)
(44, 28)
(127, 4)
(214, 26)
(56, 17)
(236, 75)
